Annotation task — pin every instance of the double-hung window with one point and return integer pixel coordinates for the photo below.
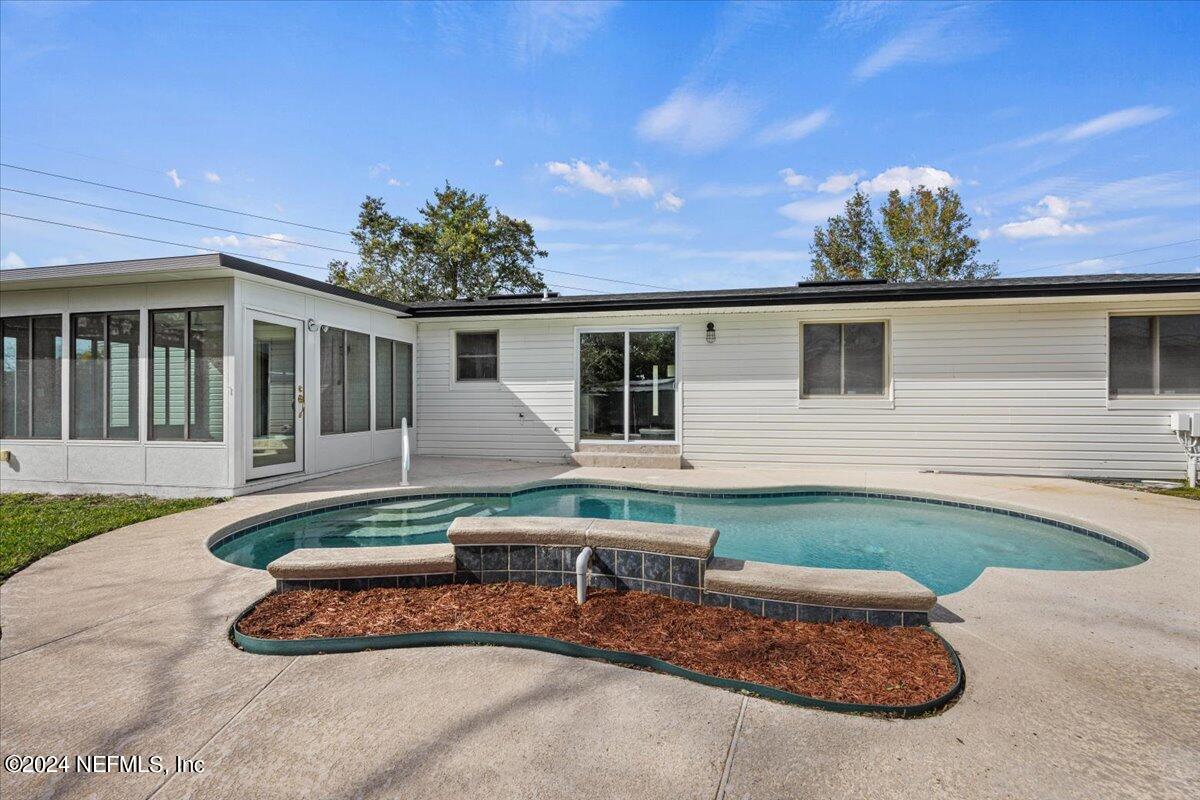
(843, 359)
(187, 374)
(393, 383)
(104, 375)
(476, 355)
(31, 381)
(1154, 355)
(345, 381)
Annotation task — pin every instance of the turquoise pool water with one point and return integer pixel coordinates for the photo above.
(943, 547)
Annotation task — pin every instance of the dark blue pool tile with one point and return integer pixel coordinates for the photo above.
(914, 619)
(599, 580)
(290, 586)
(887, 619)
(686, 593)
(550, 579)
(807, 613)
(628, 584)
(752, 605)
(442, 579)
(522, 576)
(604, 560)
(466, 577)
(468, 558)
(409, 581)
(654, 587)
(629, 564)
(549, 558)
(355, 584)
(521, 557)
(776, 609)
(849, 615)
(657, 568)
(569, 555)
(685, 571)
(715, 599)
(494, 557)
(494, 576)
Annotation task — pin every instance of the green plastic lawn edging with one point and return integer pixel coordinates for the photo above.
(353, 644)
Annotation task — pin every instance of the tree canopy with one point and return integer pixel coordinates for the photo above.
(460, 247)
(924, 236)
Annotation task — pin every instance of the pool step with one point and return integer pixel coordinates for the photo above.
(390, 515)
(393, 526)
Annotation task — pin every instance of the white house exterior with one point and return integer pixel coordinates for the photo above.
(1053, 376)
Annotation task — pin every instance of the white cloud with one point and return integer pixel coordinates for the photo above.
(498, 163)
(696, 123)
(269, 246)
(794, 129)
(395, 182)
(851, 14)
(555, 27)
(1051, 224)
(175, 179)
(839, 182)
(669, 202)
(600, 179)
(905, 179)
(794, 179)
(1100, 126)
(812, 211)
(379, 169)
(944, 37)
(12, 261)
(212, 177)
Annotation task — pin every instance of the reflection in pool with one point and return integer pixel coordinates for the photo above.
(943, 547)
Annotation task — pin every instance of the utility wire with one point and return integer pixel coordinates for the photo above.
(1101, 258)
(178, 221)
(172, 199)
(203, 249)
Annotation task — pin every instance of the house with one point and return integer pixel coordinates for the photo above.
(215, 375)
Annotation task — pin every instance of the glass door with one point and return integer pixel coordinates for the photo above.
(276, 396)
(627, 386)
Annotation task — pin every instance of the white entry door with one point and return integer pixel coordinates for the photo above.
(275, 376)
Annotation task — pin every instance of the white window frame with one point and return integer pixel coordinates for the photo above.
(884, 398)
(413, 387)
(454, 379)
(1116, 401)
(345, 381)
(628, 329)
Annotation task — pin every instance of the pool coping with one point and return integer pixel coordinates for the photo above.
(546, 644)
(256, 522)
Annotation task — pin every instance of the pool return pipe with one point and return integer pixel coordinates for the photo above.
(581, 568)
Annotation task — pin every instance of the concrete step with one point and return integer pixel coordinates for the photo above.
(626, 447)
(664, 459)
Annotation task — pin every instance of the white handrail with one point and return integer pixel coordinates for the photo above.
(405, 452)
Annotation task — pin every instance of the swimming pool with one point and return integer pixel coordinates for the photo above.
(944, 546)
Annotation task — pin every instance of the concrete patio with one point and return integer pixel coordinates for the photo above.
(1079, 684)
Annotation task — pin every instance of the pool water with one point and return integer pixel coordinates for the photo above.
(943, 547)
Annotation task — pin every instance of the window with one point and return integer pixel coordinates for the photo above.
(843, 359)
(187, 379)
(476, 355)
(104, 375)
(31, 382)
(345, 381)
(393, 383)
(1157, 355)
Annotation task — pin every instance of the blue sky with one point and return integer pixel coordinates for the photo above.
(674, 145)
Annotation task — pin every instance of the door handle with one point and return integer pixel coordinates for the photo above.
(300, 400)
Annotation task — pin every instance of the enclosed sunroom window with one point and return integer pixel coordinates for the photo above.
(393, 383)
(843, 359)
(31, 382)
(104, 375)
(1154, 355)
(187, 380)
(345, 381)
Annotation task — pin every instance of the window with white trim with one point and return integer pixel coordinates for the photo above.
(187, 378)
(393, 383)
(843, 359)
(345, 381)
(31, 381)
(1154, 355)
(476, 356)
(104, 375)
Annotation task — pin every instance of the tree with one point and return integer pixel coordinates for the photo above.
(461, 247)
(924, 236)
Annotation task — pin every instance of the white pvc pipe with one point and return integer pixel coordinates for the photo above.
(581, 570)
(405, 454)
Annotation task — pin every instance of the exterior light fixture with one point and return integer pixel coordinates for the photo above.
(312, 325)
(710, 333)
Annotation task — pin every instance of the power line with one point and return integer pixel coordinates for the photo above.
(178, 221)
(1101, 258)
(172, 199)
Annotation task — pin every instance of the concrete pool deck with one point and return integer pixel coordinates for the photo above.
(1079, 684)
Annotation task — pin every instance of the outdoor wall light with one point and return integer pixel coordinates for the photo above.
(312, 325)
(710, 333)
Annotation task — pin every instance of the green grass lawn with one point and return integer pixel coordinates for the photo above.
(35, 525)
(1182, 490)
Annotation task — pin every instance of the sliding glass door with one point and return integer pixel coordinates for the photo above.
(627, 385)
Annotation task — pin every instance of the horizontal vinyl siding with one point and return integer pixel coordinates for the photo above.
(988, 388)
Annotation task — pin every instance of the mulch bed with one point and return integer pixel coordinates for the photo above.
(848, 662)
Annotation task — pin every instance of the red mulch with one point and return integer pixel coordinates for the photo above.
(845, 661)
